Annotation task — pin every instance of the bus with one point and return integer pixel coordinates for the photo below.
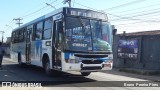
(67, 39)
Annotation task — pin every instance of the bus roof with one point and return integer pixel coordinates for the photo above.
(71, 11)
(41, 18)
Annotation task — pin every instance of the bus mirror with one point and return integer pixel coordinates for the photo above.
(114, 31)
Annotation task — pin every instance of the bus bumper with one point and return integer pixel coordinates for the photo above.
(87, 67)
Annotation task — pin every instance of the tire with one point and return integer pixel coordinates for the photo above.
(85, 73)
(47, 68)
(19, 60)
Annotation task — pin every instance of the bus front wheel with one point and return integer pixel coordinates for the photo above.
(48, 69)
(85, 73)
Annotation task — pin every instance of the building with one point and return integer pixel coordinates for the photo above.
(140, 50)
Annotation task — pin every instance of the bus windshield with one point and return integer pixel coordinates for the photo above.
(87, 35)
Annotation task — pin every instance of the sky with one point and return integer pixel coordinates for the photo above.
(126, 15)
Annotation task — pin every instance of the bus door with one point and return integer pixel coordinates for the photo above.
(28, 46)
(57, 44)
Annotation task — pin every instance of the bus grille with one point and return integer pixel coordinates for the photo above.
(91, 68)
(92, 61)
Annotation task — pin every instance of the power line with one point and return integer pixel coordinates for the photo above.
(140, 21)
(43, 11)
(127, 18)
(38, 10)
(34, 12)
(86, 6)
(50, 5)
(124, 5)
(122, 24)
(131, 17)
(36, 7)
(142, 12)
(8, 24)
(138, 8)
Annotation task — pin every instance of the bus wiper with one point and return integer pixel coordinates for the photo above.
(82, 24)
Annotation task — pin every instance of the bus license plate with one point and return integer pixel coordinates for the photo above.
(107, 65)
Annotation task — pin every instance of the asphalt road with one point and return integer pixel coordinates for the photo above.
(12, 72)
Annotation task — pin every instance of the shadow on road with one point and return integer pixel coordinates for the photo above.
(30, 73)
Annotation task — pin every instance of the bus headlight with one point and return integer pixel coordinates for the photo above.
(108, 61)
(72, 61)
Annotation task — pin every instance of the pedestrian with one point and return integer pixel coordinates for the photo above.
(1, 55)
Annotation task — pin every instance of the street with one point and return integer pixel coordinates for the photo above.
(107, 79)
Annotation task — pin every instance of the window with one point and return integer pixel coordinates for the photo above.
(39, 30)
(16, 36)
(86, 35)
(78, 34)
(25, 33)
(29, 33)
(21, 35)
(58, 28)
(47, 29)
(106, 32)
(13, 37)
(34, 32)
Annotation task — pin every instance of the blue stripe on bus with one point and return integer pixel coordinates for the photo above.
(66, 55)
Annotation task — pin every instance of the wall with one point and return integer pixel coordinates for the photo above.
(148, 53)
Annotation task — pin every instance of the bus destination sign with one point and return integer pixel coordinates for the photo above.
(86, 13)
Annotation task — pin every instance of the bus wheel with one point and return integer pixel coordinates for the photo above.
(48, 69)
(19, 60)
(85, 73)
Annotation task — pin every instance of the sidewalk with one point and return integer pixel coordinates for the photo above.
(8, 59)
(140, 71)
(116, 71)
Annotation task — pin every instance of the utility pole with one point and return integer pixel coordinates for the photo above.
(67, 1)
(18, 21)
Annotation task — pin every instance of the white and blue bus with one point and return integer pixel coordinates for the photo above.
(67, 39)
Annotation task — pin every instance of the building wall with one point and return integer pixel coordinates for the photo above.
(148, 53)
(151, 52)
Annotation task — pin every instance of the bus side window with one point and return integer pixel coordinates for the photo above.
(59, 31)
(39, 30)
(47, 29)
(60, 28)
(21, 35)
(16, 36)
(13, 37)
(34, 32)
